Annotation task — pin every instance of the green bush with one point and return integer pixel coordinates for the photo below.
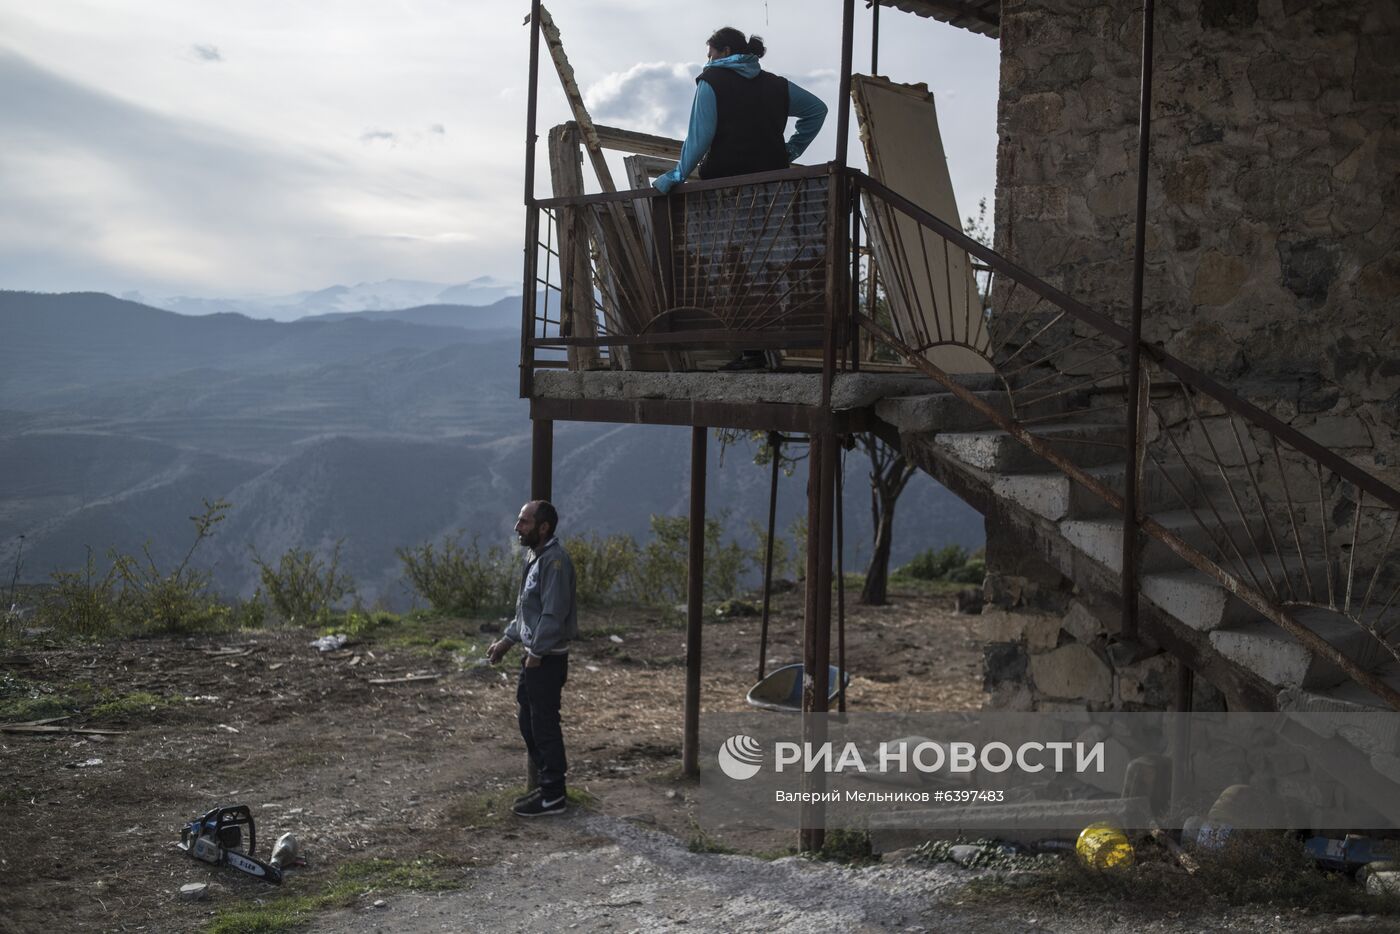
(81, 603)
(135, 595)
(602, 565)
(664, 563)
(301, 587)
(461, 578)
(782, 551)
(930, 565)
(972, 572)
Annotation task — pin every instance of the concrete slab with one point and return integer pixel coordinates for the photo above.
(848, 390)
(1085, 443)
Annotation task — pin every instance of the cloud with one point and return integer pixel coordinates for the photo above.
(438, 129)
(207, 53)
(103, 193)
(378, 136)
(652, 97)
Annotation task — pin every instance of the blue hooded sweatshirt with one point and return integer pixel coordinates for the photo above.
(704, 116)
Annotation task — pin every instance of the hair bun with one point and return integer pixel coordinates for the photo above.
(756, 47)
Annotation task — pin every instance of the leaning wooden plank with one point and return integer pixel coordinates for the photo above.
(639, 144)
(576, 314)
(641, 304)
(930, 284)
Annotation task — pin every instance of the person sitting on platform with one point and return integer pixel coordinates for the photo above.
(737, 122)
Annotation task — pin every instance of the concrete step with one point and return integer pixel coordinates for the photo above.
(1201, 602)
(1346, 698)
(1196, 599)
(1280, 659)
(1055, 496)
(1102, 539)
(939, 412)
(1087, 444)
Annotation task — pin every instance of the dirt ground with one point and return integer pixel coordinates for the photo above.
(420, 773)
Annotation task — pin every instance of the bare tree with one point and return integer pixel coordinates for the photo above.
(889, 473)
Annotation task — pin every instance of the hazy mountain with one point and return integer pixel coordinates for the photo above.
(387, 295)
(117, 420)
(500, 315)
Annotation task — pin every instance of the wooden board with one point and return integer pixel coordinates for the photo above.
(930, 284)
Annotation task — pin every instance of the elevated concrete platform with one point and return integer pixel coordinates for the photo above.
(849, 390)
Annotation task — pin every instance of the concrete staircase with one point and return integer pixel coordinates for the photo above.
(1257, 664)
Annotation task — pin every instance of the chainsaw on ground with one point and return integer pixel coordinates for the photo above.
(217, 838)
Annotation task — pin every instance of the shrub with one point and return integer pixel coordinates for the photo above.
(602, 564)
(663, 565)
(458, 578)
(973, 572)
(782, 551)
(81, 603)
(134, 594)
(301, 588)
(930, 565)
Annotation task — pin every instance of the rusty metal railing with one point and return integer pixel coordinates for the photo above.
(1293, 530)
(649, 281)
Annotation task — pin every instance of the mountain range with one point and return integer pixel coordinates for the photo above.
(385, 295)
(382, 429)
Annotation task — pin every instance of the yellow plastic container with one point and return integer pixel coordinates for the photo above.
(1103, 846)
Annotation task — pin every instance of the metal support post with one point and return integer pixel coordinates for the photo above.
(775, 448)
(532, 214)
(695, 593)
(542, 458)
(1181, 741)
(1132, 510)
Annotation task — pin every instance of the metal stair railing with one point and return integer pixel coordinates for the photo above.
(1285, 523)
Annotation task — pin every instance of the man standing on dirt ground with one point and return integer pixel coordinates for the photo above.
(545, 623)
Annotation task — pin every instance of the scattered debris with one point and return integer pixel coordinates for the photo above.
(194, 891)
(406, 679)
(43, 727)
(230, 651)
(1183, 859)
(380, 903)
(87, 764)
(330, 643)
(615, 638)
(284, 851)
(225, 726)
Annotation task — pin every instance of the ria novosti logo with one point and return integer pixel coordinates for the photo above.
(740, 757)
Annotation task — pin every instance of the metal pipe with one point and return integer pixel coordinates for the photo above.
(695, 593)
(542, 458)
(840, 581)
(1181, 742)
(811, 811)
(843, 117)
(775, 447)
(1132, 508)
(532, 213)
(875, 37)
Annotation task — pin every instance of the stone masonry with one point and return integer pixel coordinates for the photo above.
(1271, 255)
(1274, 195)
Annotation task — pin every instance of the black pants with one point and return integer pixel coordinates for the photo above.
(538, 696)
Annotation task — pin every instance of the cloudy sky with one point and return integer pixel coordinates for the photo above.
(266, 146)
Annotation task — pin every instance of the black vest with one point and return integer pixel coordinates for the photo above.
(753, 114)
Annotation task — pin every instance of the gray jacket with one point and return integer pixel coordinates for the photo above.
(545, 619)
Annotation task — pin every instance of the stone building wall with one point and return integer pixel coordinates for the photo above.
(1272, 259)
(1274, 196)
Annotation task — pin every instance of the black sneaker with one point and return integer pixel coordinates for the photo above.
(532, 793)
(539, 806)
